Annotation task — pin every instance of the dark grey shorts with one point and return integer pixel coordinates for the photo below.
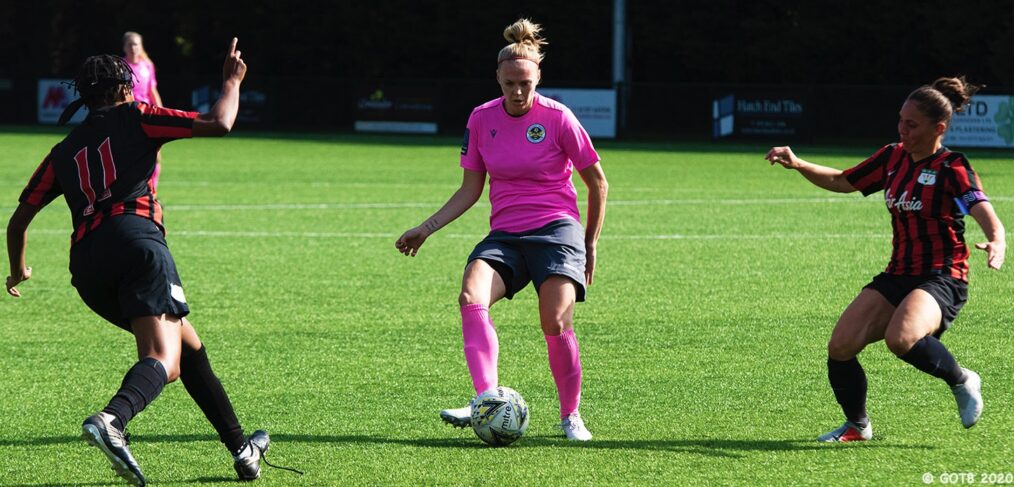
(556, 249)
(950, 293)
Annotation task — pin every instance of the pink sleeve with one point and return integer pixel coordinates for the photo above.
(470, 157)
(576, 143)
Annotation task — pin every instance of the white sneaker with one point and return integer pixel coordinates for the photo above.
(969, 398)
(459, 418)
(848, 432)
(574, 428)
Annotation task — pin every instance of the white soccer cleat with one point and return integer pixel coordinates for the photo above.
(459, 418)
(969, 398)
(848, 432)
(574, 428)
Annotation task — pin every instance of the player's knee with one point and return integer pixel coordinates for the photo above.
(555, 326)
(898, 344)
(468, 296)
(169, 365)
(841, 350)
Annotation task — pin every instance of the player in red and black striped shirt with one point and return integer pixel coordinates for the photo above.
(928, 189)
(120, 264)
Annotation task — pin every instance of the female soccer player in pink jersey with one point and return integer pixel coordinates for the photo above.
(529, 146)
(928, 189)
(145, 86)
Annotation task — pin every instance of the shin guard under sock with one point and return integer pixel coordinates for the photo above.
(206, 390)
(482, 349)
(565, 364)
(848, 381)
(141, 385)
(931, 356)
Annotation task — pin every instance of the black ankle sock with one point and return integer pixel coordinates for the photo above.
(207, 391)
(931, 356)
(848, 381)
(142, 384)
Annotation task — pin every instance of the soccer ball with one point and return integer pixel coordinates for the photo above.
(499, 416)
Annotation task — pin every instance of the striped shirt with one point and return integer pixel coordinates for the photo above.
(927, 200)
(103, 167)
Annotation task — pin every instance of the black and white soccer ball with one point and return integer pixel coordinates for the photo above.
(499, 416)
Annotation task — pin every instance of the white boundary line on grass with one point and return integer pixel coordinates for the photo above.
(476, 236)
(436, 204)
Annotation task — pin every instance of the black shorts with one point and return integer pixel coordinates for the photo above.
(123, 270)
(950, 293)
(555, 249)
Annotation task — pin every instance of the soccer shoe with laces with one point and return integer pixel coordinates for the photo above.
(247, 461)
(573, 427)
(459, 418)
(99, 432)
(969, 398)
(848, 432)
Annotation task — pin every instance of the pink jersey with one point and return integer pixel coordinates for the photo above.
(144, 80)
(529, 160)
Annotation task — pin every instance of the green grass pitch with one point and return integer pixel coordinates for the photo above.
(703, 339)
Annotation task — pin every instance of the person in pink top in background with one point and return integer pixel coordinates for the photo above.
(529, 146)
(145, 85)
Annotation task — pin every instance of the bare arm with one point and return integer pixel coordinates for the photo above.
(472, 183)
(155, 97)
(823, 177)
(598, 188)
(17, 242)
(220, 119)
(996, 247)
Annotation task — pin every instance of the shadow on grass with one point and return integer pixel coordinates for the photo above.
(729, 448)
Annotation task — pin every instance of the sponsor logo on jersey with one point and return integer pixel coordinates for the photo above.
(464, 145)
(902, 203)
(536, 133)
(927, 177)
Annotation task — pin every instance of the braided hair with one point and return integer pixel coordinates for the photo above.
(98, 82)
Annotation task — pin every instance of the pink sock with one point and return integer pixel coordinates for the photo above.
(481, 347)
(565, 363)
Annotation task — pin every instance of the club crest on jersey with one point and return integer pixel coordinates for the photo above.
(536, 133)
(927, 177)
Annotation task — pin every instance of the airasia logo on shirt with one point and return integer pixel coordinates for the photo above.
(902, 203)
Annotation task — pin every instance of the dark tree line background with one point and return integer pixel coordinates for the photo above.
(720, 41)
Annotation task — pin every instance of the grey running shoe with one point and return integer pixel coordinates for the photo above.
(574, 428)
(848, 432)
(969, 398)
(248, 458)
(99, 432)
(459, 418)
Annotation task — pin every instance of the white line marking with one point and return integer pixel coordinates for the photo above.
(478, 236)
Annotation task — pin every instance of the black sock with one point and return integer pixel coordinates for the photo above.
(142, 384)
(848, 381)
(207, 391)
(931, 356)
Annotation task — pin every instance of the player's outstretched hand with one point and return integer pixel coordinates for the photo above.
(15, 280)
(783, 156)
(410, 241)
(995, 252)
(234, 68)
